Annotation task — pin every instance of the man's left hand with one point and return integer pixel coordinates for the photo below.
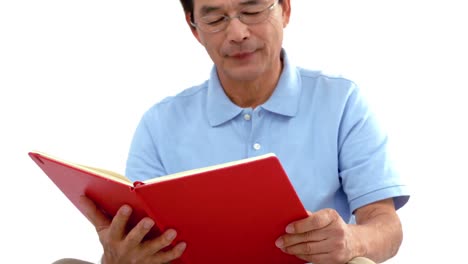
(322, 237)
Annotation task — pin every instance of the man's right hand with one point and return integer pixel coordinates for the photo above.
(121, 247)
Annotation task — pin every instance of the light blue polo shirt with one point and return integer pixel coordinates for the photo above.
(319, 126)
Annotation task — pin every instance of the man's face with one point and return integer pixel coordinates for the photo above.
(242, 52)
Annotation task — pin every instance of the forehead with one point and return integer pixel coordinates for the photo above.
(213, 5)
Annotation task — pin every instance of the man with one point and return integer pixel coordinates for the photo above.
(256, 102)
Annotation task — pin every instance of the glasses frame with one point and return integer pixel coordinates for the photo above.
(227, 19)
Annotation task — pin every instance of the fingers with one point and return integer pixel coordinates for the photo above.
(136, 235)
(314, 221)
(94, 215)
(119, 223)
(174, 253)
(306, 230)
(161, 242)
(322, 237)
(310, 248)
(325, 251)
(154, 249)
(319, 252)
(293, 239)
(158, 247)
(316, 227)
(120, 246)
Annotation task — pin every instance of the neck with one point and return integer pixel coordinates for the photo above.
(252, 93)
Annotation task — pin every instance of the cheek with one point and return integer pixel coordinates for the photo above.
(212, 46)
(212, 51)
(203, 41)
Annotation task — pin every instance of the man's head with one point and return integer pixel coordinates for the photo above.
(188, 6)
(242, 37)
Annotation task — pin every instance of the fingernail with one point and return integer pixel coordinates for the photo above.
(171, 234)
(279, 242)
(290, 229)
(148, 224)
(181, 246)
(126, 210)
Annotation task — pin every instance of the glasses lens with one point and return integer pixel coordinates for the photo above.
(250, 15)
(254, 14)
(212, 23)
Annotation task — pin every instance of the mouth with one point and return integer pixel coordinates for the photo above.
(242, 55)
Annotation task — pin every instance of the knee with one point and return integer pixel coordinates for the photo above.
(70, 261)
(361, 260)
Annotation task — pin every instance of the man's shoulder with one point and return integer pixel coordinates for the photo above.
(181, 102)
(322, 75)
(326, 83)
(186, 96)
(190, 93)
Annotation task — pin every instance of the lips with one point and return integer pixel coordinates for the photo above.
(241, 55)
(243, 50)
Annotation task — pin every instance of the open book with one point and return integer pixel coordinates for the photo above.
(227, 213)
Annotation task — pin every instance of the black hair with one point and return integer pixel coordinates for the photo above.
(188, 7)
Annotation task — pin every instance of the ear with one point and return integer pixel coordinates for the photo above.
(188, 19)
(286, 11)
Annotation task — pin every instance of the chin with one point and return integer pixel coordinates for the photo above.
(245, 72)
(245, 75)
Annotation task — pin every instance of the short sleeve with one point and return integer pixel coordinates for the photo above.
(365, 166)
(143, 160)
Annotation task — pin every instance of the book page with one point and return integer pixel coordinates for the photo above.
(106, 173)
(98, 171)
(209, 168)
(122, 179)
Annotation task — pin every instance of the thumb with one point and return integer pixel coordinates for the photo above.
(93, 213)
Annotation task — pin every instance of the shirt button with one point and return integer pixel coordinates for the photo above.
(257, 146)
(247, 117)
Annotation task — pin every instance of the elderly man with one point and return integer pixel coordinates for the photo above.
(256, 101)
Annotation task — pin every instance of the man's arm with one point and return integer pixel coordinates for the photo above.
(324, 237)
(379, 230)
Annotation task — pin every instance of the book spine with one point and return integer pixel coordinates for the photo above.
(138, 183)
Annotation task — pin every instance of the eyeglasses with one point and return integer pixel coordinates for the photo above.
(250, 15)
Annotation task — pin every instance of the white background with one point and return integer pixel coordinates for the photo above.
(76, 76)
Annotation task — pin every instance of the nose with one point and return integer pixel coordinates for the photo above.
(237, 31)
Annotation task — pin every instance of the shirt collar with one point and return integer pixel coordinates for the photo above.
(220, 108)
(283, 101)
(285, 98)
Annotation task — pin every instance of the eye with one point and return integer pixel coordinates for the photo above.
(253, 10)
(251, 13)
(213, 20)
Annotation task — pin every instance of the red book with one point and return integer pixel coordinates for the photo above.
(227, 213)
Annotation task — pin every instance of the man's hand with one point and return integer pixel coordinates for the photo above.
(322, 237)
(122, 247)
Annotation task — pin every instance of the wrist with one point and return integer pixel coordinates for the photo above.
(359, 246)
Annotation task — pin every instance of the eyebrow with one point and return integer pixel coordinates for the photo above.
(205, 10)
(249, 2)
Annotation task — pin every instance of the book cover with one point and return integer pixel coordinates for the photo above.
(228, 213)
